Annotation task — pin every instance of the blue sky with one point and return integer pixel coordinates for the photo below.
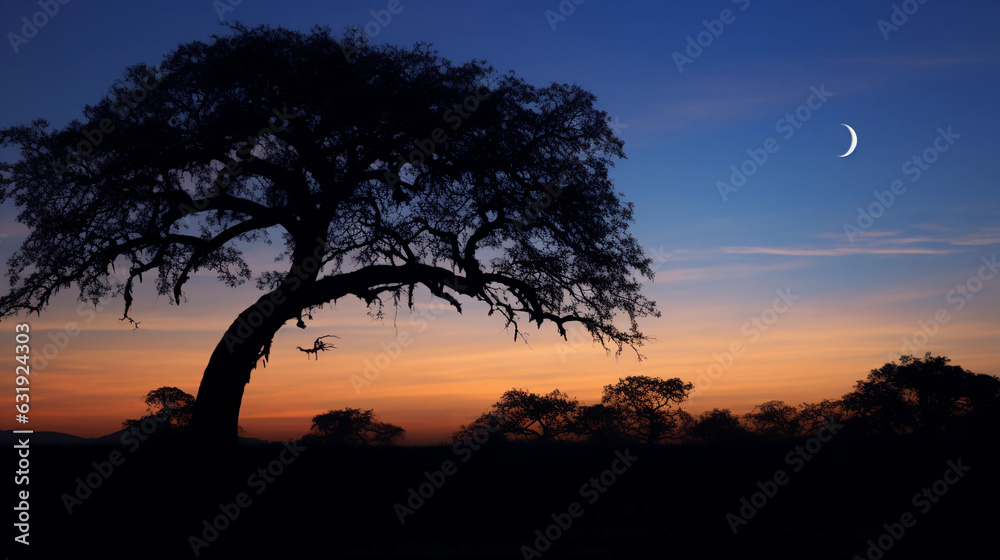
(722, 259)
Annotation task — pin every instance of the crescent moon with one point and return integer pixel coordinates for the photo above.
(854, 141)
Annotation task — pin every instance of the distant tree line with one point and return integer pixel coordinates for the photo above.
(915, 396)
(919, 396)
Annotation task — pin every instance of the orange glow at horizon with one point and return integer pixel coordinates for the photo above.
(454, 366)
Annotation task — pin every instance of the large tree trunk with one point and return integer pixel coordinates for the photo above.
(217, 406)
(216, 416)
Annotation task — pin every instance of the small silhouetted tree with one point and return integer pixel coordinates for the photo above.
(379, 169)
(812, 417)
(645, 407)
(169, 405)
(352, 426)
(529, 416)
(773, 419)
(718, 425)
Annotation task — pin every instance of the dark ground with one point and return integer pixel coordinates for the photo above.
(672, 503)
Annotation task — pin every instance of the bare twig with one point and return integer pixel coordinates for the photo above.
(318, 346)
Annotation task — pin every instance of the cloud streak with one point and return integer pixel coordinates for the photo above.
(833, 252)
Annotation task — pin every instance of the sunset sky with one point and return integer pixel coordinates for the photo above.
(782, 75)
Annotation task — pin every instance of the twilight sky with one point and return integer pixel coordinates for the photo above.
(807, 265)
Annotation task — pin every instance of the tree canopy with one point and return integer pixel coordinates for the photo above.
(352, 426)
(774, 419)
(923, 395)
(379, 169)
(166, 404)
(716, 426)
(645, 406)
(531, 416)
(637, 408)
(598, 423)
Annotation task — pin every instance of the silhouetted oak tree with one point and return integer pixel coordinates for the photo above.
(379, 169)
